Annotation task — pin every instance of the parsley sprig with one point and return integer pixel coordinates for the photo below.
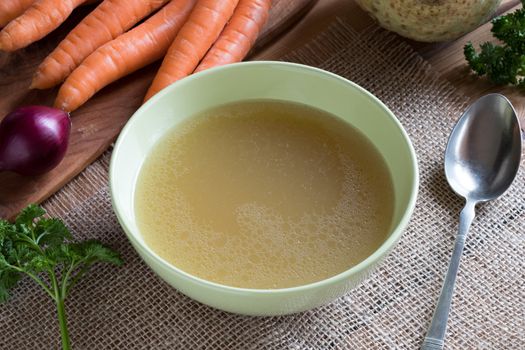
(502, 64)
(41, 248)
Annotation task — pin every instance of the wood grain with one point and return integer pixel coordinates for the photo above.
(446, 58)
(449, 60)
(96, 124)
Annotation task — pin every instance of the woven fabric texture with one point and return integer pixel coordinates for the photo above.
(131, 308)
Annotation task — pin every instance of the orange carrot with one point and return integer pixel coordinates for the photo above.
(193, 41)
(106, 22)
(36, 22)
(10, 9)
(239, 35)
(135, 49)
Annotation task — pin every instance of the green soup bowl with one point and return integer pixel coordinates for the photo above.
(262, 80)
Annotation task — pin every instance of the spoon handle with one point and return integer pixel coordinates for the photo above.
(436, 332)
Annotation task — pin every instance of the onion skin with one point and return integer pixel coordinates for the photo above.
(33, 139)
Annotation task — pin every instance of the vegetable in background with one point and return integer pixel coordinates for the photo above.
(132, 50)
(36, 22)
(41, 249)
(110, 19)
(502, 64)
(34, 139)
(239, 35)
(195, 38)
(102, 48)
(10, 9)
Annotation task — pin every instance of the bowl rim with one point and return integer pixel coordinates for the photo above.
(384, 248)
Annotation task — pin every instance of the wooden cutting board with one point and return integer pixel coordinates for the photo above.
(96, 124)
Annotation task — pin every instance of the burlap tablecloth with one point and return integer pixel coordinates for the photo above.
(131, 308)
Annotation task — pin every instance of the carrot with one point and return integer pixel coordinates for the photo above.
(135, 49)
(203, 27)
(37, 21)
(10, 9)
(106, 22)
(239, 35)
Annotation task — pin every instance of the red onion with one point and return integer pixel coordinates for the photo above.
(33, 139)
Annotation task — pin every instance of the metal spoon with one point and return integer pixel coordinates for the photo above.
(481, 160)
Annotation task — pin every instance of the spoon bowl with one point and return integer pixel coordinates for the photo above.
(484, 149)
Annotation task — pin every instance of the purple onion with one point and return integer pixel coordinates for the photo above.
(33, 139)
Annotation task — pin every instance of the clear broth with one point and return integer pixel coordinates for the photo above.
(264, 194)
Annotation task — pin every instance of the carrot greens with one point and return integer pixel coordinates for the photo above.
(41, 248)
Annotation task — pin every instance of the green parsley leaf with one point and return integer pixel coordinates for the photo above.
(511, 29)
(94, 251)
(502, 64)
(51, 232)
(41, 248)
(29, 214)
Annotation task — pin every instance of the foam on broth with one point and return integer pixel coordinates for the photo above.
(264, 194)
